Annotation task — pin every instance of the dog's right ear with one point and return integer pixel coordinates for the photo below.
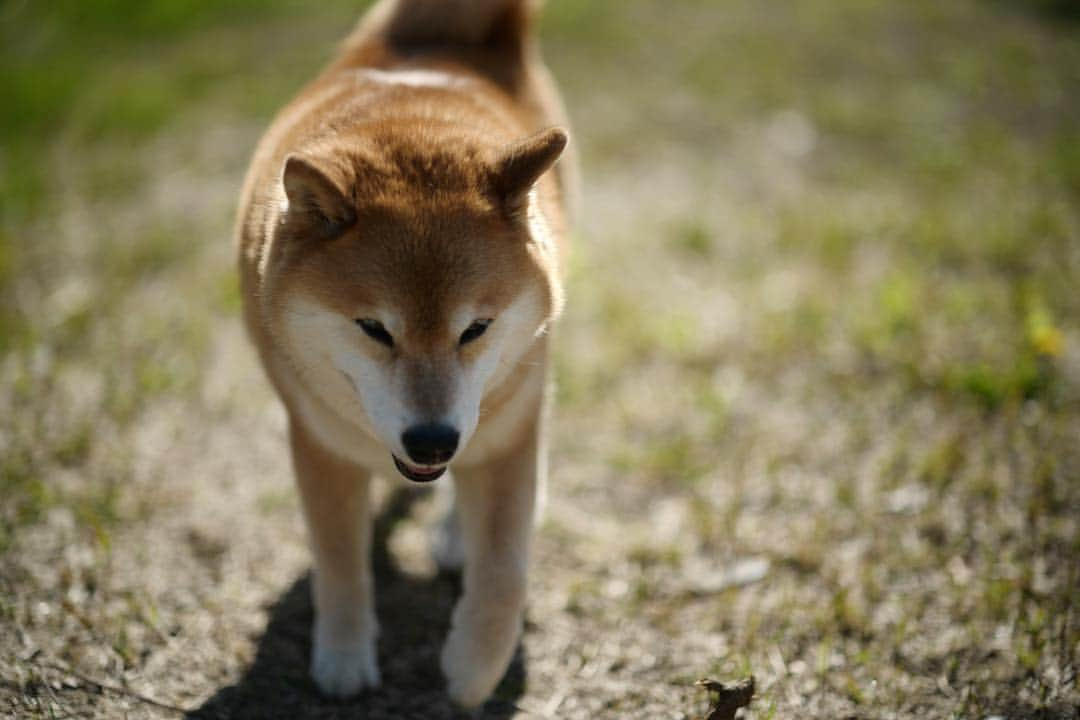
(318, 205)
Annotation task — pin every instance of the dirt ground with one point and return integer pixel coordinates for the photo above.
(817, 413)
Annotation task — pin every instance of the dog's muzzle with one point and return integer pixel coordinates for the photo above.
(430, 445)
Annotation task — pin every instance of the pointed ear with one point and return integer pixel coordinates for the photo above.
(318, 205)
(521, 164)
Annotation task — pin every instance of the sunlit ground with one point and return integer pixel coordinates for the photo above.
(818, 406)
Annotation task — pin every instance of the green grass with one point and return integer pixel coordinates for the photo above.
(823, 304)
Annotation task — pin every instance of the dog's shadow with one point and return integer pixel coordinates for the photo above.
(414, 617)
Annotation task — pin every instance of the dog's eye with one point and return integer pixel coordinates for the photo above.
(474, 331)
(376, 331)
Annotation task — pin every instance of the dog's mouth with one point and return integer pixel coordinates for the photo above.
(418, 474)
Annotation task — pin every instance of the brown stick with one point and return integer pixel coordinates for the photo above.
(105, 687)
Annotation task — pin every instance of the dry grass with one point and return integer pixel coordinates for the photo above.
(819, 379)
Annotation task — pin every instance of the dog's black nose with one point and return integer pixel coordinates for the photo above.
(430, 444)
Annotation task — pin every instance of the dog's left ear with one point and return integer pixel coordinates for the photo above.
(522, 163)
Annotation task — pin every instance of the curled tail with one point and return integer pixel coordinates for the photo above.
(468, 23)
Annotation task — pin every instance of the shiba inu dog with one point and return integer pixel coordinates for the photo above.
(400, 237)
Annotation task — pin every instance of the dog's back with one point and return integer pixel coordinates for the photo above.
(494, 38)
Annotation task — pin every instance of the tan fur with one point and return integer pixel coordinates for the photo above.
(408, 184)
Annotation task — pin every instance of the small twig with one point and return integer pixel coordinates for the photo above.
(729, 698)
(106, 687)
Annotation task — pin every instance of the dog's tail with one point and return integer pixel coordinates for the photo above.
(468, 23)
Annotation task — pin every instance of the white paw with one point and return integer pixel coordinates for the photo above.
(473, 663)
(345, 671)
(446, 543)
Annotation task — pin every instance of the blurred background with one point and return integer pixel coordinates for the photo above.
(818, 403)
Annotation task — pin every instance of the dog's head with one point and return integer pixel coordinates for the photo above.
(408, 278)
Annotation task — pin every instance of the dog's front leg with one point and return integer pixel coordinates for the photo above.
(336, 506)
(495, 503)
